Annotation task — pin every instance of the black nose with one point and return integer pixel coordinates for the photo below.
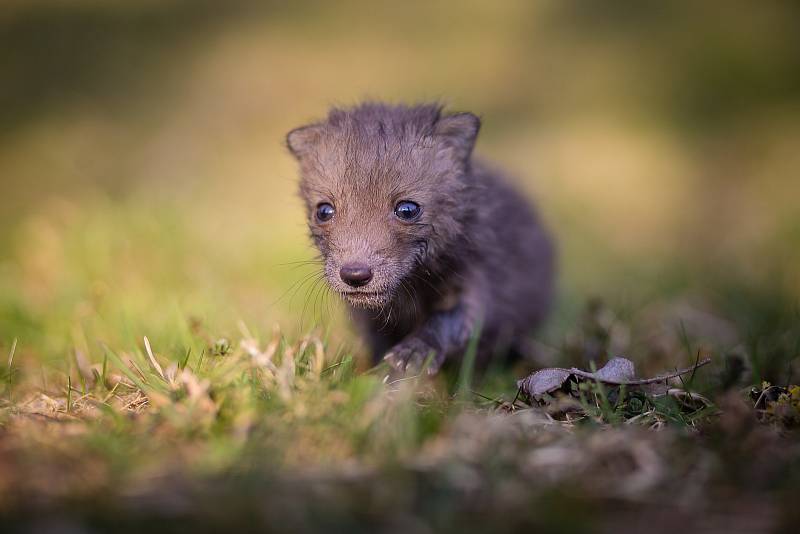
(355, 274)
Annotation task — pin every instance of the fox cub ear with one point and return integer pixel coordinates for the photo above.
(302, 139)
(458, 132)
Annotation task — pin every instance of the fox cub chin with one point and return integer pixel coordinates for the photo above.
(427, 246)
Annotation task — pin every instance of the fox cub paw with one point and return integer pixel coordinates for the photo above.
(413, 355)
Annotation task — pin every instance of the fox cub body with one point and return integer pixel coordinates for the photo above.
(428, 247)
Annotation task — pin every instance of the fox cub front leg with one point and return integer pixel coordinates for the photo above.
(444, 334)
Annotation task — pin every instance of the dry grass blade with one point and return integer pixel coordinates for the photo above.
(11, 353)
(318, 360)
(84, 367)
(152, 358)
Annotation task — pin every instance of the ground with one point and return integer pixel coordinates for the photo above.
(284, 434)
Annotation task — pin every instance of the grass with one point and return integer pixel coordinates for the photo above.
(149, 381)
(287, 433)
(130, 398)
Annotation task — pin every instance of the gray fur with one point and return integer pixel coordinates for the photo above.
(477, 258)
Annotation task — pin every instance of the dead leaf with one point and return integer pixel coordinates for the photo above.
(544, 381)
(618, 371)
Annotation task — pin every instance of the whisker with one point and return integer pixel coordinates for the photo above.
(308, 293)
(411, 298)
(316, 259)
(427, 282)
(320, 291)
(296, 287)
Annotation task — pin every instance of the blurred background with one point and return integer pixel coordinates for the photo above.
(144, 180)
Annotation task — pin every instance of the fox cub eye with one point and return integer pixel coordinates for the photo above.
(325, 212)
(407, 210)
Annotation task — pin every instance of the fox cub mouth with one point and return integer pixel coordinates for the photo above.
(366, 299)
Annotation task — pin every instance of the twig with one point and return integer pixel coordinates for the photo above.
(641, 381)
